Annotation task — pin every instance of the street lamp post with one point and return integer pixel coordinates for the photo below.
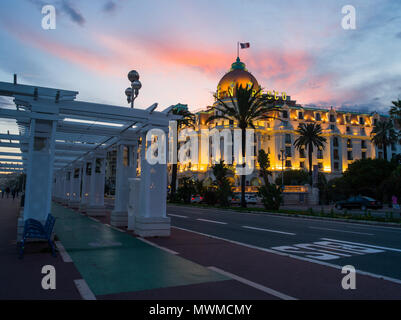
(133, 91)
(282, 167)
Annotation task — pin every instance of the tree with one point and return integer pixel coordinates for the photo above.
(294, 177)
(270, 193)
(187, 121)
(221, 173)
(271, 196)
(264, 164)
(363, 177)
(247, 105)
(383, 134)
(186, 189)
(309, 137)
(395, 112)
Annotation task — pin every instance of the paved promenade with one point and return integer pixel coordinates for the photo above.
(97, 261)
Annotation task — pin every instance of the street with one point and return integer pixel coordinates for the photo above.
(369, 248)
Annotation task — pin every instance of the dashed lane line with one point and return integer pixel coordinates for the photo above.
(212, 221)
(269, 230)
(337, 230)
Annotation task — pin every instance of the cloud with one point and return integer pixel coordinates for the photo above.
(398, 35)
(72, 12)
(109, 6)
(63, 7)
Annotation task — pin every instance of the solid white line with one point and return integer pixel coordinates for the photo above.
(157, 246)
(63, 253)
(378, 276)
(369, 234)
(269, 230)
(253, 284)
(212, 221)
(177, 215)
(93, 219)
(84, 290)
(365, 245)
(117, 229)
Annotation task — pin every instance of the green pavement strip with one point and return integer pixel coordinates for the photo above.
(112, 262)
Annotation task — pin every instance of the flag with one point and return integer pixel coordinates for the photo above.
(245, 45)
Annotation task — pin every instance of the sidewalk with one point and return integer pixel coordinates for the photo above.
(21, 278)
(113, 263)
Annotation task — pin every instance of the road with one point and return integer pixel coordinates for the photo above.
(369, 248)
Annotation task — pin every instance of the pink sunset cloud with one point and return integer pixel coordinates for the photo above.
(286, 70)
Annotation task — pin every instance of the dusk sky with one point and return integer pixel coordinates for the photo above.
(182, 49)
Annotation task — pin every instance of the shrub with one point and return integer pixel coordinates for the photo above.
(271, 196)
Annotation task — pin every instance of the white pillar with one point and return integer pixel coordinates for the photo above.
(40, 169)
(75, 189)
(86, 174)
(95, 206)
(151, 219)
(125, 169)
(134, 199)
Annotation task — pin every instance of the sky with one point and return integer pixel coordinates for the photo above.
(182, 48)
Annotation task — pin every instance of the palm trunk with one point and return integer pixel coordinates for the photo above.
(173, 182)
(385, 151)
(243, 202)
(310, 151)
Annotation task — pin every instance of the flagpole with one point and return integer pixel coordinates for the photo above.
(238, 49)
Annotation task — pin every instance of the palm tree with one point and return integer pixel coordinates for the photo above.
(383, 134)
(309, 137)
(187, 121)
(247, 106)
(395, 111)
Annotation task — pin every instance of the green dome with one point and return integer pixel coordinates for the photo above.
(238, 65)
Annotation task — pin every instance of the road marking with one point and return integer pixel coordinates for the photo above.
(93, 219)
(368, 234)
(64, 254)
(157, 246)
(365, 245)
(117, 229)
(84, 290)
(300, 216)
(269, 230)
(212, 221)
(377, 276)
(177, 215)
(253, 284)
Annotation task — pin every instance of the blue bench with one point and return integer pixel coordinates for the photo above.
(33, 229)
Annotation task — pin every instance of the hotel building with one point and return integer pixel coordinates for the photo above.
(347, 133)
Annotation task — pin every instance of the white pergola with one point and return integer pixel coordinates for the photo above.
(63, 144)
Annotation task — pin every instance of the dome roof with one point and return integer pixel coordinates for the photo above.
(237, 75)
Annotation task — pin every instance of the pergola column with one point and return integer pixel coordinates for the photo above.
(125, 169)
(95, 205)
(151, 219)
(67, 185)
(86, 174)
(39, 180)
(75, 189)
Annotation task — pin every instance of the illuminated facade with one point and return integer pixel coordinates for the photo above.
(347, 133)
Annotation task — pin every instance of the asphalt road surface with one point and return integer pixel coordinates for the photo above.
(369, 248)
